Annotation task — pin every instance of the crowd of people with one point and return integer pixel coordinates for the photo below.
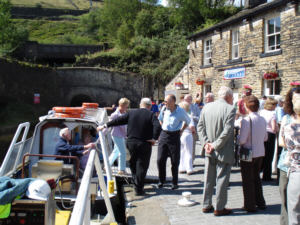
(269, 129)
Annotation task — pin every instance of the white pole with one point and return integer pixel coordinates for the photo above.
(105, 156)
(103, 188)
(78, 212)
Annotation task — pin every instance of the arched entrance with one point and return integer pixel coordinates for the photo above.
(79, 99)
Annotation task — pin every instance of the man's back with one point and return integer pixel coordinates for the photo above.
(216, 126)
(142, 125)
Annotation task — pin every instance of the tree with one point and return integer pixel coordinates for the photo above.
(143, 23)
(10, 35)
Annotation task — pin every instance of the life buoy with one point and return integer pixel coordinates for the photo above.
(90, 105)
(69, 110)
(68, 115)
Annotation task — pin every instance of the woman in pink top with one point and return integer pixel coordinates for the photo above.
(252, 136)
(270, 116)
(118, 134)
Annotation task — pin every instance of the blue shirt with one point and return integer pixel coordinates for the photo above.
(172, 121)
(154, 108)
(279, 114)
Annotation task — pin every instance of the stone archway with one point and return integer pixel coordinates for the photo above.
(77, 100)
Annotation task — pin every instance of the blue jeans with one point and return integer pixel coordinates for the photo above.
(119, 150)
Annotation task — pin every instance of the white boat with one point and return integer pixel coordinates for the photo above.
(84, 199)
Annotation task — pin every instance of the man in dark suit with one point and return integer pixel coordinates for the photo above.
(216, 135)
(142, 131)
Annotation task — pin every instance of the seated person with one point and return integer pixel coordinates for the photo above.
(64, 148)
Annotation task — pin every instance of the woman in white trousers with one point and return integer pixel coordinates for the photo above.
(186, 150)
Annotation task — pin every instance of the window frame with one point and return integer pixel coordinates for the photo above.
(267, 35)
(205, 52)
(237, 44)
(274, 87)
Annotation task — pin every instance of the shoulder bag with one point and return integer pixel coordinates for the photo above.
(246, 153)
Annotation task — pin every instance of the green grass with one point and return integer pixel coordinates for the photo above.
(57, 4)
(57, 32)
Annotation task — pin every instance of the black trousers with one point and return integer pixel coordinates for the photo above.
(252, 187)
(168, 146)
(140, 153)
(269, 154)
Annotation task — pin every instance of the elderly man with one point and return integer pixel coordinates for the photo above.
(142, 131)
(195, 115)
(215, 128)
(209, 97)
(64, 148)
(174, 120)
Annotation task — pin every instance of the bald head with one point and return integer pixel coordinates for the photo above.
(170, 102)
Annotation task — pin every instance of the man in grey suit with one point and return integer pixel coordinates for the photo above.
(215, 129)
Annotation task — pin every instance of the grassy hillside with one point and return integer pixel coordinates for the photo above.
(58, 4)
(57, 32)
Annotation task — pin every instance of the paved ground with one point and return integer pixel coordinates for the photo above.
(160, 207)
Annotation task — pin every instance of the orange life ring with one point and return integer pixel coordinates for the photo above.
(90, 105)
(67, 115)
(70, 110)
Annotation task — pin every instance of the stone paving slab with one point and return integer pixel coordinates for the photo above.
(159, 206)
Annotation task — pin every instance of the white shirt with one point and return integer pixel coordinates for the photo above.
(269, 117)
(259, 134)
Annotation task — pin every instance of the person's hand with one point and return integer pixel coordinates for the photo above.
(152, 141)
(192, 129)
(85, 152)
(209, 148)
(90, 146)
(100, 128)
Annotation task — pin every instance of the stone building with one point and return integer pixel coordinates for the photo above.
(259, 46)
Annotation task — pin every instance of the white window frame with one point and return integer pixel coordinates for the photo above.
(266, 92)
(206, 89)
(235, 43)
(268, 35)
(207, 60)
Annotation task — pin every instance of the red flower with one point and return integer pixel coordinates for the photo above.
(200, 82)
(295, 83)
(270, 75)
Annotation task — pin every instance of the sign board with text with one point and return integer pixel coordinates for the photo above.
(235, 73)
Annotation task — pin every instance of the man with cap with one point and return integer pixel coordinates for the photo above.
(174, 120)
(143, 129)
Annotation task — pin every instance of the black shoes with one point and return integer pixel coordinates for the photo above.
(160, 185)
(139, 192)
(174, 186)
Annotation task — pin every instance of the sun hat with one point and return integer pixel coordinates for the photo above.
(39, 190)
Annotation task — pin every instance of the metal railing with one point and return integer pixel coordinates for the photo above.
(82, 212)
(4, 171)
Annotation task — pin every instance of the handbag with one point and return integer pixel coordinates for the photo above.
(245, 154)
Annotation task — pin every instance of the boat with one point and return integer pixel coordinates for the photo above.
(89, 196)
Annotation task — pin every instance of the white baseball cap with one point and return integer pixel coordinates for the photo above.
(39, 190)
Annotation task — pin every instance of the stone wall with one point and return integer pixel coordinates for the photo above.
(251, 47)
(19, 83)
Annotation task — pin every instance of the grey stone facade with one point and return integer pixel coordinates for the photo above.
(253, 55)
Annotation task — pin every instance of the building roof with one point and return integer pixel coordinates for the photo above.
(245, 14)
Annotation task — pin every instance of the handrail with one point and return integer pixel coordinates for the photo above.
(105, 156)
(81, 210)
(56, 156)
(11, 147)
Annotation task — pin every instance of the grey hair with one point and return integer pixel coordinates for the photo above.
(146, 102)
(210, 95)
(63, 131)
(188, 96)
(224, 92)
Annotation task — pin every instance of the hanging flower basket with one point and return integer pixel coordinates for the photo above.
(200, 81)
(295, 83)
(270, 75)
(178, 85)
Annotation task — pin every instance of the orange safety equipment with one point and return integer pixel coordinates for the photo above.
(69, 110)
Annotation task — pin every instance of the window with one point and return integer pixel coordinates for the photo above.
(207, 52)
(235, 44)
(206, 89)
(271, 87)
(272, 37)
